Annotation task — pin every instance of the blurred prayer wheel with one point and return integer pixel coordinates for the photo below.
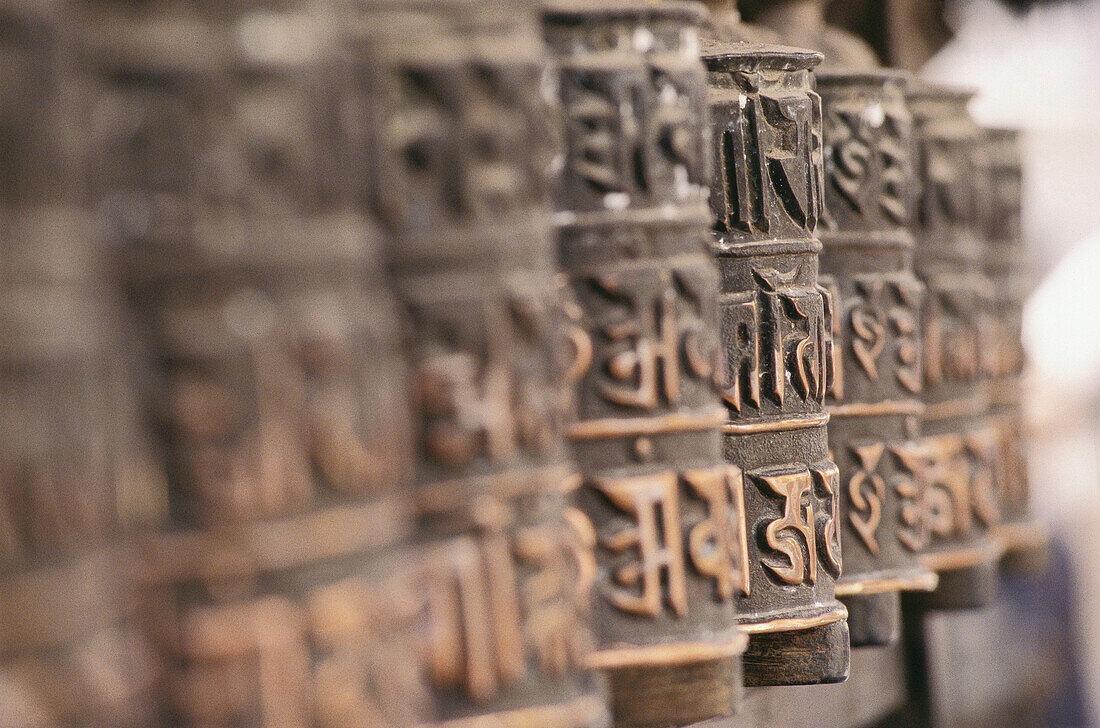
(665, 509)
(1023, 537)
(69, 653)
(775, 322)
(274, 590)
(873, 400)
(275, 390)
(449, 123)
(958, 436)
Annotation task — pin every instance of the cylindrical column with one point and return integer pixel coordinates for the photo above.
(1023, 537)
(70, 656)
(666, 510)
(274, 387)
(874, 398)
(776, 342)
(957, 433)
(446, 106)
(69, 653)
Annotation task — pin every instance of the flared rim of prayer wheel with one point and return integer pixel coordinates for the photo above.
(721, 56)
(239, 549)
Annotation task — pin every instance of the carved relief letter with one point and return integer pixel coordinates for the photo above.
(653, 500)
(788, 534)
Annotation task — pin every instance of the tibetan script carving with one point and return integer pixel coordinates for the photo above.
(867, 491)
(801, 533)
(715, 546)
(448, 116)
(956, 388)
(653, 501)
(718, 546)
(667, 513)
(777, 321)
(869, 199)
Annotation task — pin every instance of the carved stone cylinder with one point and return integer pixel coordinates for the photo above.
(776, 343)
(667, 511)
(874, 398)
(456, 134)
(1003, 261)
(958, 435)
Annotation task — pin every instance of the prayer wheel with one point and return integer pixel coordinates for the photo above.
(957, 432)
(874, 398)
(775, 322)
(666, 510)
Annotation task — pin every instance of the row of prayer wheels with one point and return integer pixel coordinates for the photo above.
(484, 364)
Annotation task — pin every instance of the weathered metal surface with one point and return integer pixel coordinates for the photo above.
(446, 105)
(958, 435)
(775, 321)
(272, 593)
(666, 510)
(68, 652)
(1023, 537)
(69, 655)
(874, 399)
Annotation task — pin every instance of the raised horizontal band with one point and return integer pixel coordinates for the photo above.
(794, 624)
(925, 581)
(756, 248)
(273, 545)
(637, 426)
(961, 407)
(870, 409)
(1021, 535)
(679, 653)
(964, 558)
(452, 494)
(792, 423)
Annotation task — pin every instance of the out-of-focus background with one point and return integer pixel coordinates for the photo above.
(1037, 68)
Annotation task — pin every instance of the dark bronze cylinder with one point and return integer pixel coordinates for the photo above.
(457, 133)
(274, 388)
(957, 433)
(874, 398)
(70, 654)
(775, 325)
(273, 591)
(1023, 537)
(666, 510)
